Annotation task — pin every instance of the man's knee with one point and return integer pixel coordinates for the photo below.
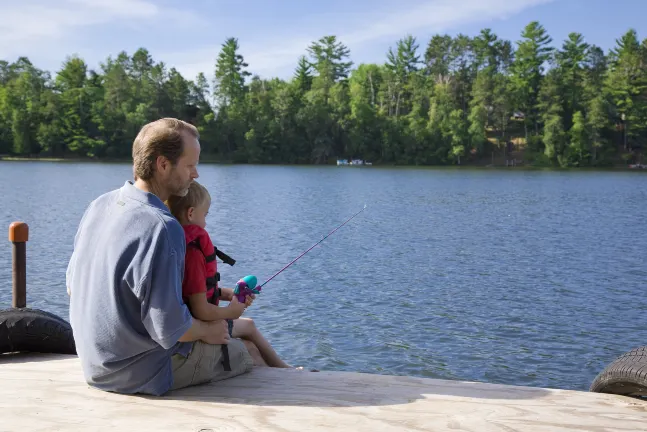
(241, 359)
(205, 363)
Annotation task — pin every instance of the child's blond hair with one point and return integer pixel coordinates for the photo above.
(196, 196)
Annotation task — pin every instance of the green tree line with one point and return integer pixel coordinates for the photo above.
(458, 100)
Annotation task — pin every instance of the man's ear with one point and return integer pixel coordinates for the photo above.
(189, 214)
(163, 163)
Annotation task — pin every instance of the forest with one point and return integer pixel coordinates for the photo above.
(457, 100)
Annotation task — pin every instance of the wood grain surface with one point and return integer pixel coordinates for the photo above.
(48, 393)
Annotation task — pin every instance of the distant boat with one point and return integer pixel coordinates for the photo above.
(355, 162)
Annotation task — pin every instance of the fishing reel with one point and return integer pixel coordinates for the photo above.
(246, 286)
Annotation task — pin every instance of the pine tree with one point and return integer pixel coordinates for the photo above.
(527, 69)
(229, 85)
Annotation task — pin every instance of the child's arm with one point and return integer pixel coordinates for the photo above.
(194, 288)
(226, 294)
(203, 310)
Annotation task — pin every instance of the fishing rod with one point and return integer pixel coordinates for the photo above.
(247, 285)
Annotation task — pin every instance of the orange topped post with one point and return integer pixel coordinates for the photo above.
(18, 235)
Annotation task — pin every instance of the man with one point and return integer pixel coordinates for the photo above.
(132, 331)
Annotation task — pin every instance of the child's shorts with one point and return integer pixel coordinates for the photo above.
(204, 364)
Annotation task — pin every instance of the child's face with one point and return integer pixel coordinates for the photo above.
(198, 215)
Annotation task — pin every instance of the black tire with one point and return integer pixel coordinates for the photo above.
(626, 376)
(34, 330)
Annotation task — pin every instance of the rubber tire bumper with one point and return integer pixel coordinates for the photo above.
(627, 375)
(34, 330)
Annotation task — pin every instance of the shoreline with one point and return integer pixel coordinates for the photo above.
(207, 160)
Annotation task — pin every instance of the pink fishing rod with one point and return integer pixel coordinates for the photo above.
(247, 285)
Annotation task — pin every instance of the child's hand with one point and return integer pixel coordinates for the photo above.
(236, 307)
(249, 299)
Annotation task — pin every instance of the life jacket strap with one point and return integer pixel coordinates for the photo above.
(217, 253)
(224, 257)
(213, 281)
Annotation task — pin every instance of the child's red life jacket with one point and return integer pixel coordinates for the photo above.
(197, 237)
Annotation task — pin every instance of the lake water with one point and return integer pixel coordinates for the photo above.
(519, 277)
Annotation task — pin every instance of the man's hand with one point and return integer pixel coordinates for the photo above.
(217, 333)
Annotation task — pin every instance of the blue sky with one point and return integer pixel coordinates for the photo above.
(273, 34)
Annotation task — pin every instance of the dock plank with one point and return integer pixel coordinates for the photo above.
(48, 393)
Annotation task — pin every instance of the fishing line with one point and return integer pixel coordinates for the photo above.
(312, 247)
(247, 285)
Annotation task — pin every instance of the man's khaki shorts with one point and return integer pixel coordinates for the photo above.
(204, 364)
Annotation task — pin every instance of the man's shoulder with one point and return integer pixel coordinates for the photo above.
(103, 200)
(165, 224)
(140, 218)
(169, 227)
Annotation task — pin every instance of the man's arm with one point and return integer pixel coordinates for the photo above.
(197, 331)
(167, 318)
(214, 332)
(164, 315)
(69, 272)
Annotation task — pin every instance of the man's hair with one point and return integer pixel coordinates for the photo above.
(163, 137)
(196, 196)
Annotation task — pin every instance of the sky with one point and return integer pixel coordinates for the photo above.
(273, 34)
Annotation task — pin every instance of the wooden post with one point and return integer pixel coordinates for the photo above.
(18, 235)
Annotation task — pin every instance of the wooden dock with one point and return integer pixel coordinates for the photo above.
(46, 392)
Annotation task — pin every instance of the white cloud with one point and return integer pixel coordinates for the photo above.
(439, 15)
(120, 7)
(49, 30)
(277, 56)
(29, 26)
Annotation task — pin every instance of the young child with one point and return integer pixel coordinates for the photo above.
(200, 284)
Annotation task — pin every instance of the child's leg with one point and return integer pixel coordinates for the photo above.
(254, 353)
(245, 328)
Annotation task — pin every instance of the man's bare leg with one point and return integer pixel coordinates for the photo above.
(245, 329)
